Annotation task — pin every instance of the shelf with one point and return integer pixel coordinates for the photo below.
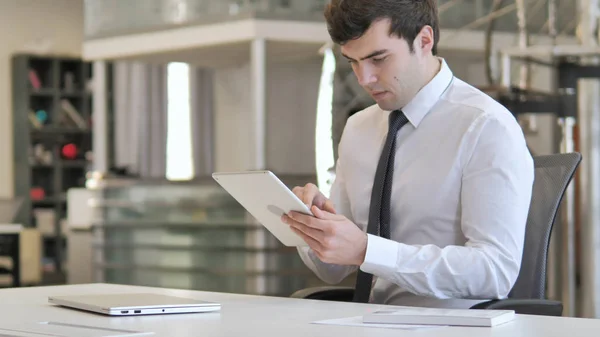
(49, 92)
(169, 224)
(42, 166)
(46, 202)
(45, 92)
(41, 84)
(74, 163)
(73, 94)
(77, 163)
(50, 201)
(53, 237)
(191, 248)
(58, 131)
(213, 272)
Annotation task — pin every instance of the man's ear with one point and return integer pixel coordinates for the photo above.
(425, 39)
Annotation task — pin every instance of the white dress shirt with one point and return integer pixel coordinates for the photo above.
(462, 184)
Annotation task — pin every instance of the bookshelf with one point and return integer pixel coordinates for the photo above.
(52, 118)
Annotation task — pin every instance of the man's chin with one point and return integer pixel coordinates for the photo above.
(386, 106)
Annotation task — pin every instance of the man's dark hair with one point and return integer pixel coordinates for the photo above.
(350, 19)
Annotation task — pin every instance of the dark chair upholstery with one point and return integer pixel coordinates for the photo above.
(553, 173)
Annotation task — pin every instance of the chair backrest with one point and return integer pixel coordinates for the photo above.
(553, 173)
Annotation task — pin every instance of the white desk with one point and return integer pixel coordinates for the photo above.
(243, 315)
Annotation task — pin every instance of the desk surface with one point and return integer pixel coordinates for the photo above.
(243, 315)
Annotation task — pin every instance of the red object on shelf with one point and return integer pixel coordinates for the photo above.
(37, 193)
(69, 151)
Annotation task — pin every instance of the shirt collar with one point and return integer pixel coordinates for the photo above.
(429, 95)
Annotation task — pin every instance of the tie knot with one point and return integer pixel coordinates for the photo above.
(396, 120)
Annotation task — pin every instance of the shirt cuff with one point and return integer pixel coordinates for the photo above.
(381, 255)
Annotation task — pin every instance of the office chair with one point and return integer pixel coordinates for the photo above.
(553, 173)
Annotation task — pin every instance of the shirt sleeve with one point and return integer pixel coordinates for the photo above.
(331, 273)
(496, 192)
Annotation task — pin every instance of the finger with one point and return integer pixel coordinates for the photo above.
(319, 199)
(310, 192)
(312, 243)
(329, 207)
(298, 191)
(325, 215)
(303, 195)
(307, 220)
(316, 234)
(318, 212)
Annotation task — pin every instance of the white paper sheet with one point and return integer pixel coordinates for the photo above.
(357, 321)
(65, 330)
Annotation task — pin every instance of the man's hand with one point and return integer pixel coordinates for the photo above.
(332, 237)
(310, 195)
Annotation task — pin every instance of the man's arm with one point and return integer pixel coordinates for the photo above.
(496, 193)
(328, 272)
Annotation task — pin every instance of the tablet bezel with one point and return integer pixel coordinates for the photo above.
(242, 186)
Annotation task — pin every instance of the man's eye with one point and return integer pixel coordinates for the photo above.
(378, 60)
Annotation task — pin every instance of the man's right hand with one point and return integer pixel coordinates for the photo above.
(310, 195)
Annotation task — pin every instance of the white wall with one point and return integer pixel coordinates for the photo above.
(233, 119)
(291, 116)
(292, 90)
(49, 26)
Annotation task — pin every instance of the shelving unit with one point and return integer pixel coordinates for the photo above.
(52, 103)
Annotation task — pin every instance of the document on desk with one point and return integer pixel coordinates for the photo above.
(440, 316)
(358, 321)
(62, 329)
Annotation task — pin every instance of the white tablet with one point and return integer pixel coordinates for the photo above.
(266, 198)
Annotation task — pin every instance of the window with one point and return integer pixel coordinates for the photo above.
(179, 131)
(324, 140)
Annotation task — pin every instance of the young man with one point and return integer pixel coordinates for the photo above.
(433, 183)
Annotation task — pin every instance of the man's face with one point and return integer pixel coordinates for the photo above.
(384, 65)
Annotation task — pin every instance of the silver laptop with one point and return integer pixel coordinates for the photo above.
(134, 304)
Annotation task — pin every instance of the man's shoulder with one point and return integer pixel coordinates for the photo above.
(476, 105)
(363, 126)
(367, 116)
(482, 117)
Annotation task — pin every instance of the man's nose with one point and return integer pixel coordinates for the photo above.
(365, 76)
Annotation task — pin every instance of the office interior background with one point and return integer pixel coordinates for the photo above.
(114, 114)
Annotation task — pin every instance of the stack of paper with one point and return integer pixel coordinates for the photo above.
(420, 318)
(433, 316)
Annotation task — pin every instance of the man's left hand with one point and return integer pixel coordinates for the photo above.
(332, 237)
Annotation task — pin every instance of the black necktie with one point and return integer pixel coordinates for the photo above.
(379, 210)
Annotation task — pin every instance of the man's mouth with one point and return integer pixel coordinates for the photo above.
(378, 94)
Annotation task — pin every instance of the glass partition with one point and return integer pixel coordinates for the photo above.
(118, 17)
(190, 235)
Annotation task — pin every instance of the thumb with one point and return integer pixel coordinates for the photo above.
(321, 214)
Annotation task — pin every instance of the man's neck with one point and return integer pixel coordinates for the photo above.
(432, 68)
(434, 64)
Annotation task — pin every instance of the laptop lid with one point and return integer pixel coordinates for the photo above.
(134, 304)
